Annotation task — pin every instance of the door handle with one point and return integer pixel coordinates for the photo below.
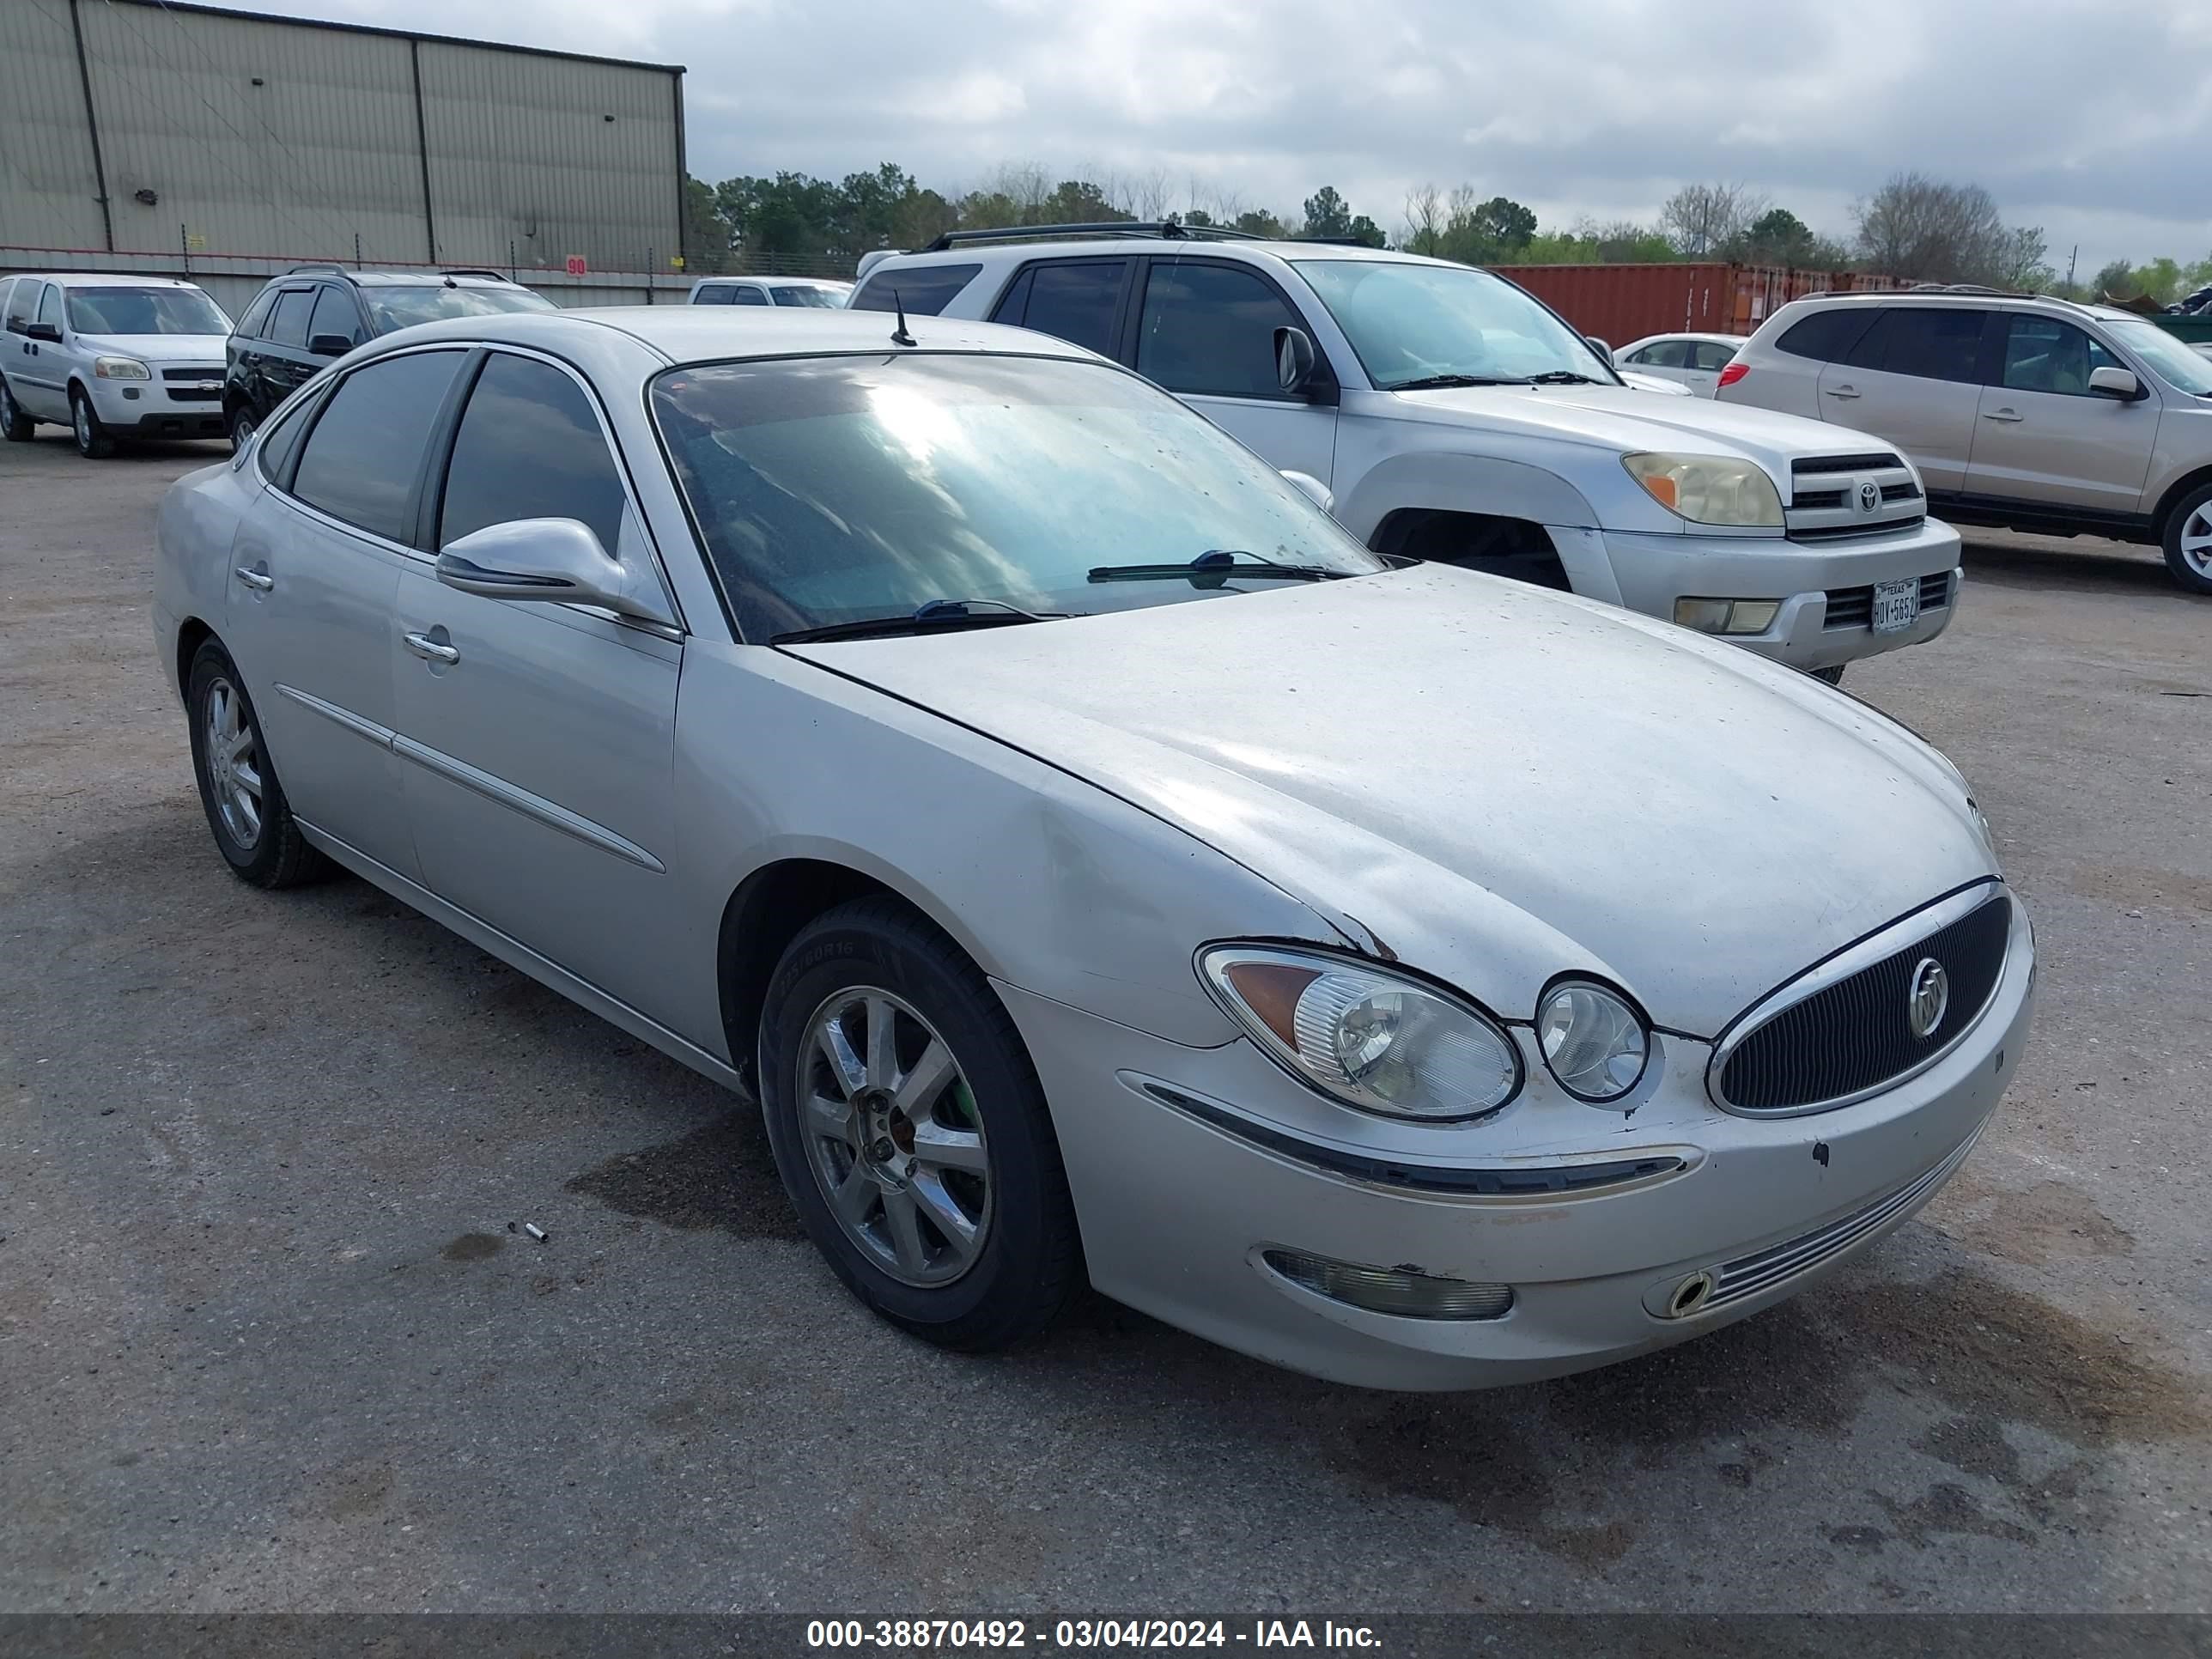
(2003, 415)
(260, 581)
(429, 650)
(1842, 392)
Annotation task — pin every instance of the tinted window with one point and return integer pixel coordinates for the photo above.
(530, 448)
(1826, 334)
(748, 296)
(714, 293)
(362, 458)
(280, 440)
(20, 301)
(1075, 302)
(2044, 355)
(289, 325)
(924, 290)
(1933, 345)
(1211, 329)
(1667, 354)
(1711, 355)
(257, 314)
(336, 313)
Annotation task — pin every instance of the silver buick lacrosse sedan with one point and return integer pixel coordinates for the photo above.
(1098, 865)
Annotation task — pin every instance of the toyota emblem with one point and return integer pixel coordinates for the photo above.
(1869, 497)
(1929, 998)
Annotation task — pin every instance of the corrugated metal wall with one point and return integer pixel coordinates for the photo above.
(1621, 303)
(254, 136)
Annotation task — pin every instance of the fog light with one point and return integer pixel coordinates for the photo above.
(1727, 616)
(1398, 1290)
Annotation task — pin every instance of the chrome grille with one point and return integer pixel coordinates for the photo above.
(1851, 1038)
(1853, 607)
(1763, 1270)
(1829, 496)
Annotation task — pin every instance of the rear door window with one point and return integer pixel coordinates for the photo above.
(1211, 329)
(714, 293)
(1666, 354)
(529, 447)
(360, 461)
(922, 290)
(1711, 355)
(1078, 301)
(289, 325)
(1931, 344)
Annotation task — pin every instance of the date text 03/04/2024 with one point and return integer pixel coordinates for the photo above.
(1045, 1635)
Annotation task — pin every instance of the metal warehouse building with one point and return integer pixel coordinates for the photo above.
(141, 135)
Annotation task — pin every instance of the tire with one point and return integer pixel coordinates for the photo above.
(263, 847)
(1833, 676)
(93, 440)
(2188, 540)
(1013, 1273)
(242, 425)
(14, 425)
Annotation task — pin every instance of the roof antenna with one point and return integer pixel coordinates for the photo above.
(899, 336)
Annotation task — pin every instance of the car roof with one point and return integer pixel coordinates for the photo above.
(1184, 247)
(108, 279)
(1689, 334)
(406, 278)
(695, 334)
(1973, 300)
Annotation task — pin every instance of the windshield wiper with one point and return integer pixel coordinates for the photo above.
(1434, 382)
(1563, 377)
(931, 617)
(1212, 567)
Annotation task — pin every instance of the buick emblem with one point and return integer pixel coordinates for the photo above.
(1929, 998)
(1869, 499)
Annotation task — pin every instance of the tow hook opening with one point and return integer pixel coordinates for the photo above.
(1691, 1294)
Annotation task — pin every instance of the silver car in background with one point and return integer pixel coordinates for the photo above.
(1097, 864)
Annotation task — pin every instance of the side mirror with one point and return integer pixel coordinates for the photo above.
(47, 332)
(1313, 489)
(1598, 346)
(1294, 358)
(2119, 383)
(548, 559)
(330, 345)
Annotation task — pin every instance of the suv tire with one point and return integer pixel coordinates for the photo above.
(14, 425)
(93, 440)
(2188, 540)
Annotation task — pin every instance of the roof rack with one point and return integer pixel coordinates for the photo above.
(1975, 288)
(477, 271)
(317, 270)
(1161, 228)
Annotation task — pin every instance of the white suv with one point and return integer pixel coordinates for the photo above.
(2018, 409)
(1446, 414)
(110, 355)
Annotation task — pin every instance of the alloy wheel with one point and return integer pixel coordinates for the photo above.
(2196, 541)
(893, 1137)
(234, 763)
(81, 414)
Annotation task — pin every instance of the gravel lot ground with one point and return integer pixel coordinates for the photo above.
(267, 1343)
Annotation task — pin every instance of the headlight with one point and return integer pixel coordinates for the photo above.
(1709, 488)
(1371, 1039)
(120, 368)
(1593, 1042)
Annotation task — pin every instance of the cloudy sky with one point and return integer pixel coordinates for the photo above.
(2090, 117)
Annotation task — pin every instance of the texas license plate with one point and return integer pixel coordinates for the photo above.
(1896, 605)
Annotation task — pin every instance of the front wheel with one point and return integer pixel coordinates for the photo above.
(14, 425)
(246, 806)
(911, 1132)
(2189, 541)
(93, 441)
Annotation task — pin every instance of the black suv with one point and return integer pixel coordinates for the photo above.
(313, 313)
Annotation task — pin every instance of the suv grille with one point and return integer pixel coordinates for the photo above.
(1853, 607)
(1851, 1038)
(1872, 494)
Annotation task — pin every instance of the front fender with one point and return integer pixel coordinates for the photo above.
(1454, 482)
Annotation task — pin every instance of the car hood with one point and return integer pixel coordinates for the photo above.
(1628, 420)
(1487, 781)
(158, 348)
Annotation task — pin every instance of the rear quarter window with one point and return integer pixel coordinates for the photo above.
(1826, 334)
(920, 290)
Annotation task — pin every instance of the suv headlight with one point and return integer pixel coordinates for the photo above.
(1709, 488)
(120, 368)
(1375, 1040)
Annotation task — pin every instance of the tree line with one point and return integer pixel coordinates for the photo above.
(1912, 227)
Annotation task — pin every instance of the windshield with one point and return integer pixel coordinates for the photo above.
(144, 311)
(403, 307)
(2177, 365)
(837, 489)
(801, 294)
(1410, 322)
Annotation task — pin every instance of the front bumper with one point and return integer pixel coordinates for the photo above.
(158, 409)
(1652, 571)
(1177, 1198)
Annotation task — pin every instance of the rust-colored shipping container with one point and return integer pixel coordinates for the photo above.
(1620, 303)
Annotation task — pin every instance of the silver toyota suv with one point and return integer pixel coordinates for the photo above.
(2019, 410)
(1445, 414)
